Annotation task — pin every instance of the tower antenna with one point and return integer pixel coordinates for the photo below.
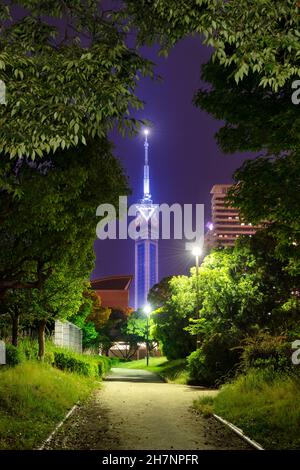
(147, 195)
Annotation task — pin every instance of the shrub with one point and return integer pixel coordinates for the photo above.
(106, 363)
(14, 355)
(101, 369)
(198, 369)
(266, 351)
(215, 361)
(66, 361)
(169, 331)
(90, 366)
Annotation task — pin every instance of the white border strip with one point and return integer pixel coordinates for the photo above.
(239, 432)
(57, 428)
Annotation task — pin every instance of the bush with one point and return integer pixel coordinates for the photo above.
(89, 366)
(215, 361)
(198, 369)
(106, 363)
(14, 355)
(169, 330)
(266, 351)
(66, 361)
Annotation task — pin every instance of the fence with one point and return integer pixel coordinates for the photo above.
(68, 335)
(2, 353)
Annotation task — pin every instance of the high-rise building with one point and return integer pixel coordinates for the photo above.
(226, 225)
(146, 243)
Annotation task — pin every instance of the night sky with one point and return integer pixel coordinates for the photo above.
(185, 160)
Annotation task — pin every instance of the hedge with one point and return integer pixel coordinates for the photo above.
(90, 366)
(14, 356)
(64, 359)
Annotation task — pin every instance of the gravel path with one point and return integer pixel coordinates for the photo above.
(135, 409)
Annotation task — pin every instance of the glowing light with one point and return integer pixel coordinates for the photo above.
(146, 132)
(196, 251)
(147, 309)
(210, 226)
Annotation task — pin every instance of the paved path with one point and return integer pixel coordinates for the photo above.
(135, 409)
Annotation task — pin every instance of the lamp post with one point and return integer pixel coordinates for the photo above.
(197, 251)
(147, 310)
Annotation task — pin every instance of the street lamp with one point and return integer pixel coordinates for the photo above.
(147, 310)
(197, 251)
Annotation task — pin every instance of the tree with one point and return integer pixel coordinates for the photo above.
(259, 119)
(266, 192)
(243, 291)
(91, 317)
(111, 331)
(69, 76)
(14, 306)
(60, 298)
(257, 36)
(53, 218)
(51, 225)
(229, 294)
(244, 288)
(98, 315)
(171, 319)
(253, 118)
(137, 330)
(159, 293)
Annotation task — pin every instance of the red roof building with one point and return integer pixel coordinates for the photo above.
(113, 291)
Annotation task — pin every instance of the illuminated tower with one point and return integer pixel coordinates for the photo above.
(146, 243)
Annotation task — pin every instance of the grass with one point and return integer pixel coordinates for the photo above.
(34, 397)
(173, 371)
(264, 404)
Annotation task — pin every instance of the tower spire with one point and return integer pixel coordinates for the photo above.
(146, 241)
(147, 195)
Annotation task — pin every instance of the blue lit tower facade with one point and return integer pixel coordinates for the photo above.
(146, 243)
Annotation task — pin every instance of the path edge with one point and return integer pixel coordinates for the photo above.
(59, 425)
(239, 432)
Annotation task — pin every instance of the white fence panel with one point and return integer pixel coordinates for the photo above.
(68, 335)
